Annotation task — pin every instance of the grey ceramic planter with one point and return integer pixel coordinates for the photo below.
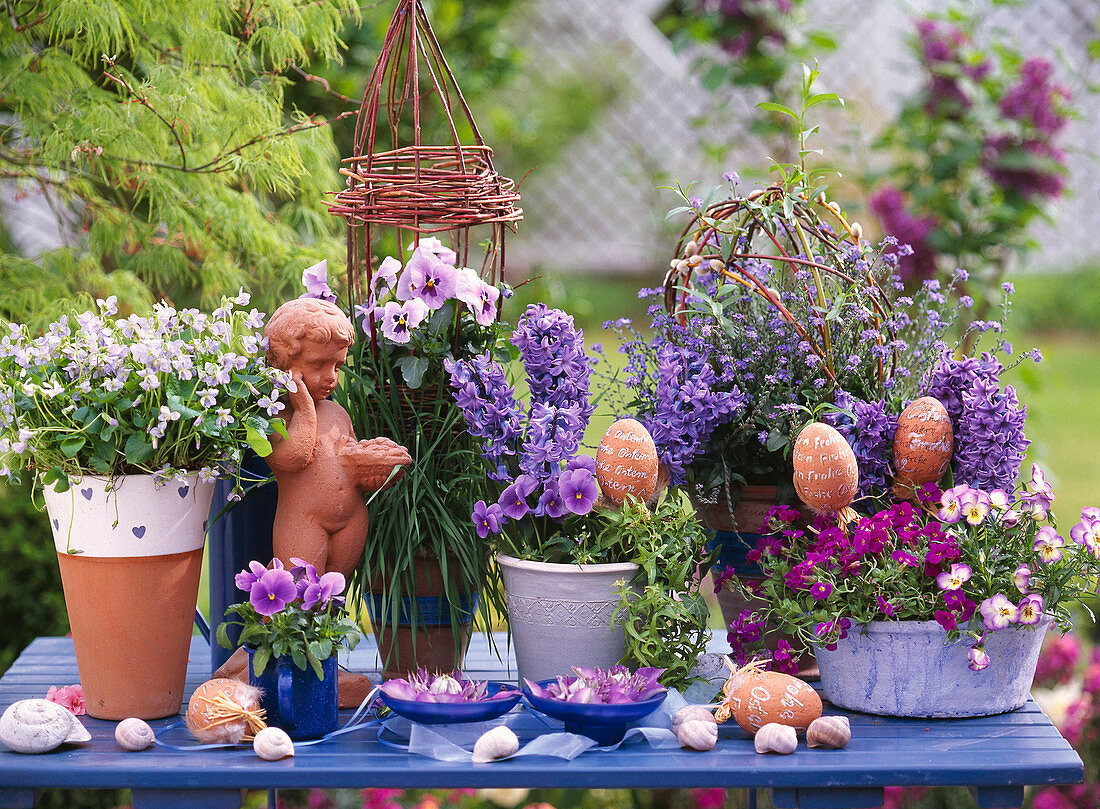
(902, 668)
(563, 615)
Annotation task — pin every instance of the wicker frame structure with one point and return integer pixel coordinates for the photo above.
(419, 188)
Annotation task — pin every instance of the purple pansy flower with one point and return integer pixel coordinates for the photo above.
(431, 244)
(399, 320)
(998, 612)
(1087, 531)
(977, 657)
(479, 296)
(428, 279)
(1022, 578)
(513, 500)
(323, 590)
(315, 280)
(579, 490)
(383, 280)
(954, 578)
(246, 578)
(1048, 545)
(1030, 609)
(272, 591)
(486, 518)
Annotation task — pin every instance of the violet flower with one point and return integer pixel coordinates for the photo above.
(998, 612)
(977, 657)
(432, 245)
(955, 578)
(428, 279)
(327, 587)
(1048, 545)
(1022, 578)
(399, 320)
(1087, 531)
(315, 280)
(272, 591)
(487, 519)
(612, 686)
(445, 688)
(578, 490)
(513, 500)
(246, 578)
(1030, 609)
(480, 297)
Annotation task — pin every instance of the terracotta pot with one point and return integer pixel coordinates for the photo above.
(563, 615)
(735, 537)
(433, 643)
(130, 557)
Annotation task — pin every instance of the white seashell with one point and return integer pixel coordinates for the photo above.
(829, 731)
(776, 738)
(698, 734)
(38, 726)
(690, 713)
(133, 734)
(272, 744)
(496, 743)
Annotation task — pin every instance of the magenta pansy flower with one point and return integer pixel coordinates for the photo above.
(272, 591)
(821, 590)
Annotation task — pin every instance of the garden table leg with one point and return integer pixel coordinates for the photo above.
(833, 798)
(998, 797)
(187, 798)
(272, 798)
(19, 798)
(752, 799)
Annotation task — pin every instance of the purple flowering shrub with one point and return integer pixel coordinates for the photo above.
(975, 561)
(975, 153)
(170, 393)
(293, 612)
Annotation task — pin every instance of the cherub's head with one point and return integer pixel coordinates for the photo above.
(312, 337)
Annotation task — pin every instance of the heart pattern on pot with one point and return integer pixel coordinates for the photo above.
(183, 490)
(139, 531)
(87, 493)
(56, 526)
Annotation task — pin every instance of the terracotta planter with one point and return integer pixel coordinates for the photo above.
(563, 615)
(130, 557)
(735, 538)
(435, 644)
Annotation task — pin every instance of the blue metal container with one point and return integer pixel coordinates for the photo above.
(295, 700)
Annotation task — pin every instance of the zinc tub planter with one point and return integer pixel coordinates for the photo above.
(563, 615)
(903, 668)
(130, 555)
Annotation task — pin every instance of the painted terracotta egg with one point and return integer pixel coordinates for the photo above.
(626, 461)
(923, 443)
(825, 471)
(770, 696)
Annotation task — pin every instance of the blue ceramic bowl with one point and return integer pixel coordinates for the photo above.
(604, 723)
(446, 713)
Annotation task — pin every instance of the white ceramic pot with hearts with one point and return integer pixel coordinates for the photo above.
(130, 554)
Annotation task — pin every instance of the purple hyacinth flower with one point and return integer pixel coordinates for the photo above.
(323, 590)
(273, 591)
(246, 578)
(428, 279)
(579, 490)
(487, 518)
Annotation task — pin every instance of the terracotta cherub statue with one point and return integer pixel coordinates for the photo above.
(321, 469)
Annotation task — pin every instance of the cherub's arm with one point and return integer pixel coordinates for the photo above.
(293, 453)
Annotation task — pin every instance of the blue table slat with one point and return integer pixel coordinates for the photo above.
(883, 752)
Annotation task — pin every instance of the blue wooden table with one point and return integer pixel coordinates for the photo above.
(995, 756)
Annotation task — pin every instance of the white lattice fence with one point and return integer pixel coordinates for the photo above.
(596, 210)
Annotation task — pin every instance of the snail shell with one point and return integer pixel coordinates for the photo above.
(38, 726)
(691, 713)
(698, 734)
(776, 738)
(829, 731)
(496, 743)
(272, 744)
(133, 734)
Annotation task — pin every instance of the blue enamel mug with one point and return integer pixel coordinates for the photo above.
(295, 700)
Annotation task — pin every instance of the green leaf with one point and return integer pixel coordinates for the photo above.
(257, 441)
(773, 106)
(299, 658)
(821, 98)
(71, 446)
(260, 659)
(137, 449)
(56, 476)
